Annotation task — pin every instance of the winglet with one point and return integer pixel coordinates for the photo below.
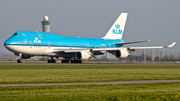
(171, 45)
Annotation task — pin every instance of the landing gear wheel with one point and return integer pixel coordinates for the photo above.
(19, 60)
(72, 61)
(51, 61)
(64, 61)
(76, 61)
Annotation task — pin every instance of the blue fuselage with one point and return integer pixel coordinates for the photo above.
(25, 38)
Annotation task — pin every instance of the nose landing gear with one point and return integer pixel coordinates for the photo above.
(20, 59)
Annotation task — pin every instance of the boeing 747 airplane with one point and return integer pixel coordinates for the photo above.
(27, 44)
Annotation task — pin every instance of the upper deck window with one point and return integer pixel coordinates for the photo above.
(45, 36)
(17, 34)
(33, 35)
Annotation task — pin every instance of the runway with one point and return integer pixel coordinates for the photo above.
(92, 83)
(103, 63)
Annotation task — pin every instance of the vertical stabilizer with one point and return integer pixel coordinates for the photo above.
(117, 29)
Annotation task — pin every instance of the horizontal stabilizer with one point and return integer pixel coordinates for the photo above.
(131, 42)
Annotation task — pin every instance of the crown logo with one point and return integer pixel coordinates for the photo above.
(36, 38)
(117, 26)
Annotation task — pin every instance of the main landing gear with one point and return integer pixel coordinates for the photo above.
(71, 61)
(51, 60)
(66, 60)
(76, 61)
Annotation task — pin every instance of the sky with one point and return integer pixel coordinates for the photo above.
(157, 20)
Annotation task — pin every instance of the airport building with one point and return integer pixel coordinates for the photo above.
(46, 24)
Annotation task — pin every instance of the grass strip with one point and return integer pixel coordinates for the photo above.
(129, 92)
(85, 73)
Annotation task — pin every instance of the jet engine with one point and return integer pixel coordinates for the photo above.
(122, 53)
(82, 55)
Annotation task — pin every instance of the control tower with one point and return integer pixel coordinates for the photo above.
(46, 24)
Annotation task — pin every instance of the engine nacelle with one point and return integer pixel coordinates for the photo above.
(121, 53)
(82, 55)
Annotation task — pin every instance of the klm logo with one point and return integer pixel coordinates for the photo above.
(117, 30)
(36, 40)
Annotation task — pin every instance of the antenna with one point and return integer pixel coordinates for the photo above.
(153, 52)
(144, 53)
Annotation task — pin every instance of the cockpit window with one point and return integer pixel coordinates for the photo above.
(17, 34)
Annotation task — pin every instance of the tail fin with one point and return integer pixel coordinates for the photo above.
(116, 31)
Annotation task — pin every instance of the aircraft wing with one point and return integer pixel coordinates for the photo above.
(132, 48)
(153, 47)
(106, 49)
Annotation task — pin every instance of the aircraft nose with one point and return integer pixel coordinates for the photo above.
(9, 41)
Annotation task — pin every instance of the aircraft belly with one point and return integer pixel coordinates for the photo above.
(33, 50)
(40, 50)
(12, 48)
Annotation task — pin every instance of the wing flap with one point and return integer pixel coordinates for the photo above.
(104, 49)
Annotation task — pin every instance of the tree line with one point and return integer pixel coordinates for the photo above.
(156, 55)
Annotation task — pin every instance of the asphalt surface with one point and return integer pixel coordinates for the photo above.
(113, 63)
(92, 83)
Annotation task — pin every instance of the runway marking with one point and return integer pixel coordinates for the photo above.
(92, 83)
